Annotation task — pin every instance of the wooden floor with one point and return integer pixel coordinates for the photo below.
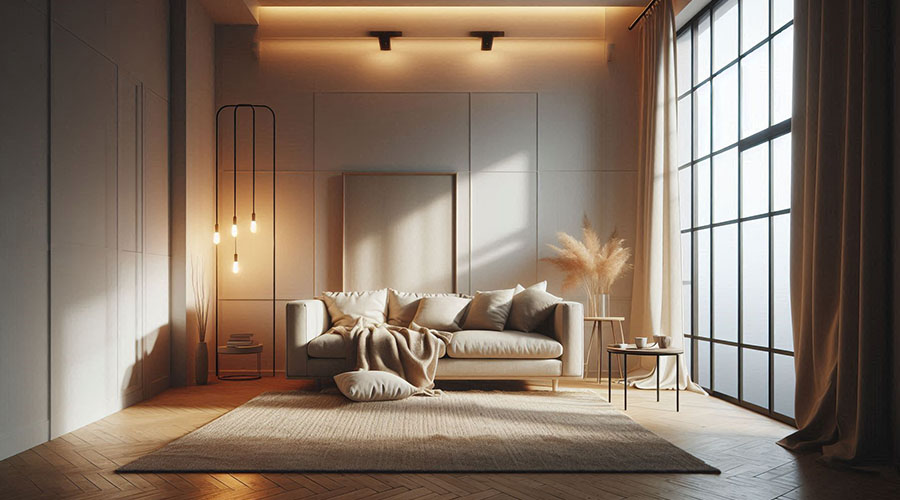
(739, 442)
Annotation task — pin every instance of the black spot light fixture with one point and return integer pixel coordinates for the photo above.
(487, 38)
(384, 38)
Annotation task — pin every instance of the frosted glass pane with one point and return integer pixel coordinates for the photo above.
(784, 385)
(686, 290)
(702, 117)
(782, 12)
(684, 197)
(725, 282)
(755, 378)
(701, 240)
(702, 49)
(684, 130)
(683, 53)
(754, 22)
(782, 75)
(755, 281)
(755, 91)
(781, 172)
(726, 370)
(688, 357)
(703, 363)
(781, 282)
(725, 186)
(725, 33)
(702, 195)
(755, 180)
(725, 108)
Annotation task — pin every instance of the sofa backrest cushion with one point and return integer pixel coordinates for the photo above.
(541, 285)
(489, 310)
(402, 306)
(530, 309)
(441, 313)
(346, 308)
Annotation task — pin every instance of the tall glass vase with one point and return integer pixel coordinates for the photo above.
(598, 305)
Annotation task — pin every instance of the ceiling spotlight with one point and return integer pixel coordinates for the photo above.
(384, 38)
(487, 38)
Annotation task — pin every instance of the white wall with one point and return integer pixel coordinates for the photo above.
(24, 272)
(539, 131)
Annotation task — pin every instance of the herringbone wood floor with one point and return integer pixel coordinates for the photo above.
(740, 443)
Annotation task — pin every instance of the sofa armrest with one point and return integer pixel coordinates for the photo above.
(568, 326)
(306, 320)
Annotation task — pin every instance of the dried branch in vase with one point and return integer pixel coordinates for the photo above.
(593, 265)
(201, 296)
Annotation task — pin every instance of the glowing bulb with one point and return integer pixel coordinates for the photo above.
(216, 238)
(234, 267)
(234, 227)
(253, 223)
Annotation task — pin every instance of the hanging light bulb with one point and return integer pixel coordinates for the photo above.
(253, 222)
(234, 227)
(234, 267)
(216, 238)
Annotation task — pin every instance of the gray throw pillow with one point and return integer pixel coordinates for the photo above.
(441, 313)
(402, 306)
(530, 309)
(365, 385)
(489, 310)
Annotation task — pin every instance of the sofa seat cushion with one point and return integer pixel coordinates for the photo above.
(332, 346)
(508, 344)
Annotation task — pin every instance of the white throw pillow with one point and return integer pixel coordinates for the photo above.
(489, 310)
(367, 385)
(530, 309)
(402, 306)
(542, 286)
(346, 308)
(441, 313)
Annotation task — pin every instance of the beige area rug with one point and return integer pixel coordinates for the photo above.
(474, 431)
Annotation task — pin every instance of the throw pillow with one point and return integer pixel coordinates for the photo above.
(367, 385)
(346, 308)
(402, 306)
(542, 286)
(489, 310)
(441, 313)
(530, 309)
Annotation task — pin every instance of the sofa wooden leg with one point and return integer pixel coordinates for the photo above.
(555, 384)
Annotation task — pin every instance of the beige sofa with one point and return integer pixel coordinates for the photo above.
(472, 354)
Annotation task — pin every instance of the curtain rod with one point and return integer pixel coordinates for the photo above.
(643, 13)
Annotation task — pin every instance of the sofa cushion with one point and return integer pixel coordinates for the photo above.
(402, 306)
(441, 313)
(489, 310)
(530, 309)
(472, 344)
(332, 346)
(346, 308)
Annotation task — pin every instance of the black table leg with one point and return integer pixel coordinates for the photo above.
(677, 382)
(625, 379)
(657, 379)
(609, 376)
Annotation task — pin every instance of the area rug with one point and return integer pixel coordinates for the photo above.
(473, 431)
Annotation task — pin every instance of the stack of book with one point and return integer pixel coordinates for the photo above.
(240, 340)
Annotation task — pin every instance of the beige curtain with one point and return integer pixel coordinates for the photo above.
(840, 229)
(656, 296)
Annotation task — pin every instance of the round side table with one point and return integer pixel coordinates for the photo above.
(597, 331)
(250, 349)
(631, 350)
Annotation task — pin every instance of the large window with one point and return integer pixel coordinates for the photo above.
(734, 135)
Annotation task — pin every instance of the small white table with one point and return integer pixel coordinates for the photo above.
(597, 331)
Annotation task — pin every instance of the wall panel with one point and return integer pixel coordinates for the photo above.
(294, 222)
(504, 132)
(247, 316)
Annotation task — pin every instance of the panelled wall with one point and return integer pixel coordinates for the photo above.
(85, 186)
(539, 131)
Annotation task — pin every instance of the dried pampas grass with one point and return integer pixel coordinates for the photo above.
(589, 263)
